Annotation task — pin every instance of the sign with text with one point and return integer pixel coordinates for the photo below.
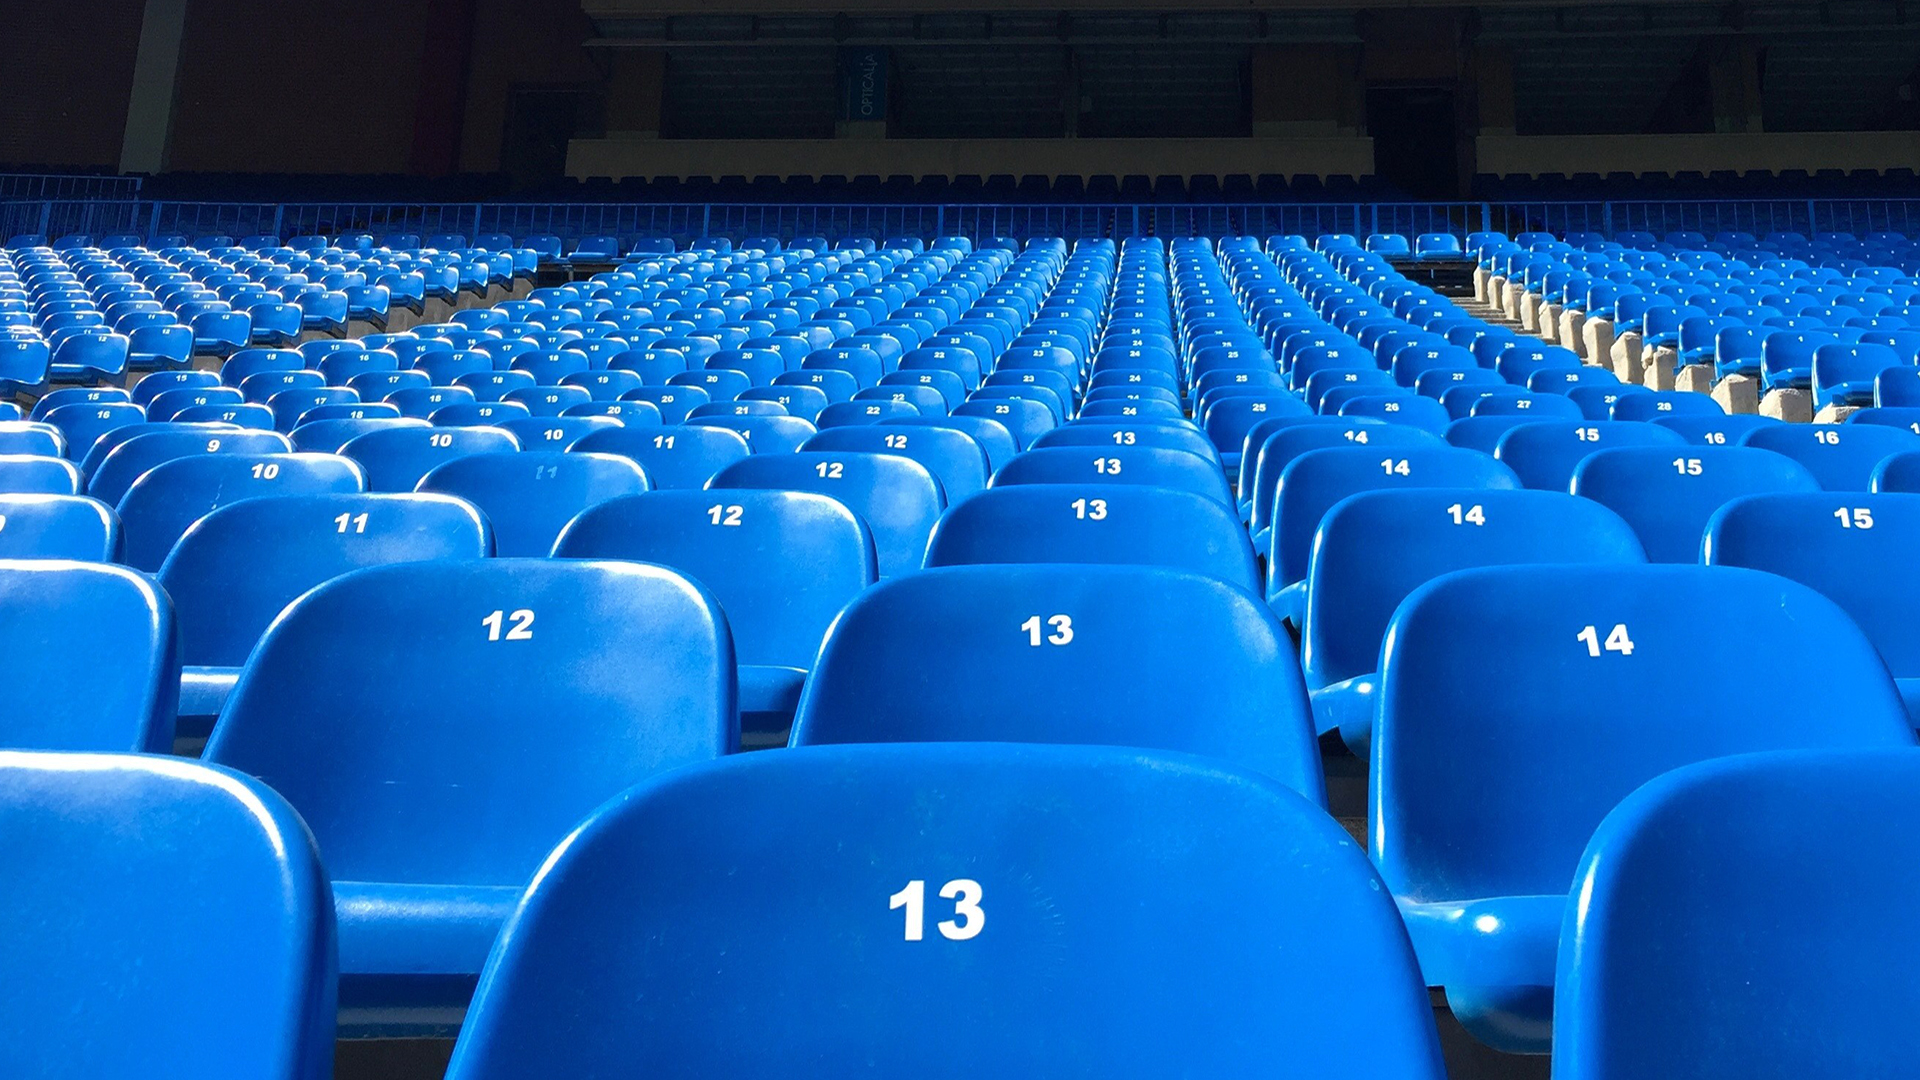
(863, 84)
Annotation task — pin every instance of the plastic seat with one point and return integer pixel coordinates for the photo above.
(28, 474)
(233, 571)
(1668, 495)
(327, 433)
(1841, 457)
(31, 438)
(58, 527)
(1852, 548)
(95, 848)
(1657, 404)
(950, 455)
(1221, 657)
(1648, 668)
(674, 457)
(133, 458)
(896, 496)
(781, 563)
(54, 613)
(534, 691)
(1375, 549)
(166, 500)
(770, 435)
(529, 497)
(82, 424)
(1119, 465)
(617, 956)
(1544, 455)
(1705, 430)
(1090, 524)
(1693, 938)
(1025, 418)
(1317, 479)
(395, 459)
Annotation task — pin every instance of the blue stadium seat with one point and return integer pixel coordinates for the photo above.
(1375, 549)
(529, 496)
(1056, 676)
(1483, 799)
(1656, 404)
(1317, 479)
(53, 613)
(557, 433)
(1667, 495)
(994, 437)
(534, 690)
(1094, 525)
(33, 438)
(949, 454)
(327, 433)
(673, 457)
(897, 498)
(233, 571)
(1025, 418)
(133, 458)
(29, 474)
(58, 527)
(96, 845)
(1852, 548)
(82, 423)
(166, 500)
(1679, 961)
(773, 435)
(619, 955)
(781, 563)
(1544, 454)
(395, 459)
(1841, 457)
(1119, 465)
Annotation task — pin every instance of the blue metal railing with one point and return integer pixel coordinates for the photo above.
(15, 186)
(57, 217)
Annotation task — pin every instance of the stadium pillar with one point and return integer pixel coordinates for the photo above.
(1493, 89)
(636, 92)
(440, 113)
(143, 147)
(1733, 81)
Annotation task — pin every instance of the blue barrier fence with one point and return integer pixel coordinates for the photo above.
(15, 186)
(57, 217)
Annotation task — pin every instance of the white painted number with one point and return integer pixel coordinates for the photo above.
(1062, 630)
(1125, 438)
(830, 470)
(1396, 467)
(1858, 517)
(1830, 438)
(1688, 466)
(440, 440)
(1617, 640)
(1587, 434)
(726, 515)
(1090, 509)
(1470, 515)
(357, 521)
(663, 442)
(969, 918)
(896, 442)
(520, 630)
(1107, 465)
(265, 470)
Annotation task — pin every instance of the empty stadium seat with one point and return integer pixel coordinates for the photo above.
(675, 457)
(533, 691)
(529, 496)
(619, 954)
(951, 455)
(1668, 495)
(1647, 668)
(1119, 465)
(395, 459)
(1842, 457)
(233, 571)
(97, 845)
(781, 563)
(116, 472)
(167, 499)
(896, 496)
(1052, 642)
(52, 614)
(1730, 907)
(58, 527)
(1095, 525)
(1544, 454)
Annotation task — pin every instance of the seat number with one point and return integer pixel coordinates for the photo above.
(969, 918)
(726, 515)
(1061, 625)
(1689, 466)
(1467, 515)
(1858, 517)
(518, 626)
(1090, 509)
(1616, 641)
(830, 470)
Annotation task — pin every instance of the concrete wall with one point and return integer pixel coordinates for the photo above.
(1532, 155)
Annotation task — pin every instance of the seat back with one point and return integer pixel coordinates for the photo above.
(781, 563)
(1543, 455)
(95, 846)
(1675, 964)
(1095, 525)
(236, 568)
(396, 458)
(1108, 466)
(58, 527)
(133, 458)
(1667, 495)
(621, 954)
(59, 619)
(896, 496)
(1631, 658)
(166, 500)
(1109, 655)
(1841, 457)
(952, 456)
(528, 497)
(534, 690)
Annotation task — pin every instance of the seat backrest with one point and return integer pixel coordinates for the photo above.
(1374, 549)
(133, 458)
(949, 454)
(998, 908)
(529, 496)
(534, 690)
(1854, 549)
(236, 568)
(1052, 654)
(1647, 668)
(166, 500)
(1841, 457)
(1095, 525)
(94, 846)
(397, 458)
(58, 527)
(1675, 964)
(896, 496)
(781, 563)
(1107, 466)
(675, 457)
(1318, 479)
(30, 474)
(1668, 494)
(90, 658)
(1544, 454)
